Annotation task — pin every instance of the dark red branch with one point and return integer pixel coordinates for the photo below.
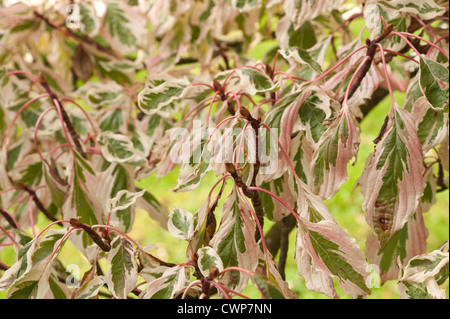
(252, 194)
(8, 218)
(92, 233)
(65, 116)
(38, 203)
(371, 50)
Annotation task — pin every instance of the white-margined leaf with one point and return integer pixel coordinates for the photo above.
(207, 259)
(434, 81)
(181, 224)
(159, 93)
(171, 282)
(123, 273)
(119, 148)
(332, 251)
(31, 273)
(250, 80)
(421, 277)
(89, 286)
(431, 124)
(89, 21)
(123, 27)
(123, 199)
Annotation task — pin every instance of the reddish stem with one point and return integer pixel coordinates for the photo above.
(404, 34)
(338, 64)
(386, 75)
(277, 198)
(221, 289)
(10, 237)
(401, 54)
(204, 84)
(349, 86)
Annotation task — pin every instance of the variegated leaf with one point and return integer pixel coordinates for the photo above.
(274, 283)
(79, 202)
(207, 260)
(89, 21)
(159, 94)
(89, 285)
(103, 94)
(392, 180)
(171, 282)
(314, 110)
(316, 279)
(122, 27)
(123, 273)
(431, 124)
(250, 80)
(267, 289)
(39, 283)
(123, 200)
(181, 224)
(273, 209)
(300, 56)
(402, 246)
(196, 159)
(332, 251)
(406, 243)
(305, 10)
(421, 277)
(119, 148)
(398, 14)
(235, 242)
(434, 81)
(31, 273)
(245, 5)
(337, 146)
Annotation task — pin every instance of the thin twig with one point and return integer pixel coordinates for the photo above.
(65, 116)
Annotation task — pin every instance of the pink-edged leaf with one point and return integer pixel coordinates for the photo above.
(330, 250)
(336, 253)
(392, 180)
(281, 187)
(316, 279)
(402, 246)
(406, 243)
(275, 278)
(337, 146)
(235, 242)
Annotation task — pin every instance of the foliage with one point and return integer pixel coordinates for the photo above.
(96, 97)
